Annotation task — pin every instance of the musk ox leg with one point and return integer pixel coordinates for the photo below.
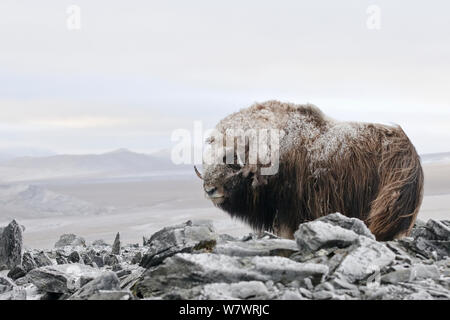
(395, 208)
(281, 230)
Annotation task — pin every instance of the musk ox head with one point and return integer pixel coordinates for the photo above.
(241, 162)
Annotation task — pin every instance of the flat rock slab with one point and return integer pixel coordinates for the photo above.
(180, 238)
(189, 270)
(316, 235)
(365, 258)
(353, 224)
(263, 247)
(64, 278)
(108, 281)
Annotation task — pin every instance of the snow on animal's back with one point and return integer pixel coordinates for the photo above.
(301, 126)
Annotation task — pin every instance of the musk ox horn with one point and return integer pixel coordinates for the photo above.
(198, 173)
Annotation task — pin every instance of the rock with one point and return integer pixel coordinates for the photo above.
(264, 247)
(137, 258)
(180, 238)
(17, 272)
(11, 245)
(42, 259)
(28, 262)
(61, 259)
(322, 295)
(423, 271)
(70, 240)
(6, 284)
(255, 290)
(111, 295)
(15, 294)
(132, 278)
(363, 259)
(116, 245)
(86, 259)
(107, 281)
(75, 257)
(186, 271)
(100, 243)
(421, 295)
(116, 267)
(123, 273)
(64, 278)
(98, 260)
(353, 224)
(316, 235)
(402, 275)
(426, 249)
(440, 230)
(110, 260)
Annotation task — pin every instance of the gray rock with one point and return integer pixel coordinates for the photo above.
(111, 295)
(42, 259)
(61, 259)
(402, 275)
(132, 278)
(426, 249)
(123, 273)
(62, 278)
(440, 230)
(15, 294)
(264, 247)
(137, 258)
(316, 235)
(322, 295)
(255, 290)
(111, 260)
(116, 267)
(363, 259)
(6, 284)
(75, 257)
(108, 281)
(423, 271)
(17, 272)
(86, 259)
(353, 224)
(11, 245)
(28, 262)
(116, 245)
(100, 243)
(186, 237)
(70, 240)
(189, 270)
(98, 260)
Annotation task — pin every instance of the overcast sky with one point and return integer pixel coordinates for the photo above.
(136, 70)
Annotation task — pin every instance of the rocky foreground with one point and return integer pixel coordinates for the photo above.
(334, 257)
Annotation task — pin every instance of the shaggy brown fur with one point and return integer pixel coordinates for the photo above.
(368, 171)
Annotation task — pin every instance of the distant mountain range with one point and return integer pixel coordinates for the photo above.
(118, 163)
(435, 157)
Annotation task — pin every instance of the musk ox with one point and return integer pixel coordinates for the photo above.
(363, 170)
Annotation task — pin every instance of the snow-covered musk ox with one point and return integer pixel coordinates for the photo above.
(363, 170)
